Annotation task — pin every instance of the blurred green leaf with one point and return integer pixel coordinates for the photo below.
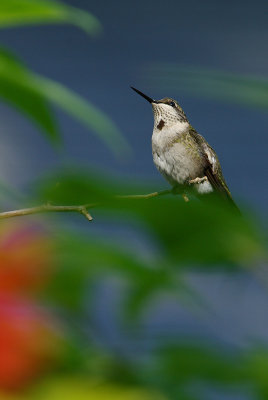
(248, 90)
(80, 261)
(186, 366)
(33, 94)
(142, 291)
(83, 389)
(80, 388)
(77, 186)
(184, 362)
(26, 12)
(17, 88)
(204, 232)
(255, 362)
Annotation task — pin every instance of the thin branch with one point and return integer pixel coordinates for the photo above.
(145, 196)
(81, 209)
(47, 208)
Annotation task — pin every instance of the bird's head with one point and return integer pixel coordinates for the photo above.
(167, 112)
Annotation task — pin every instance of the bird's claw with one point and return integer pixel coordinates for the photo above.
(198, 180)
(185, 197)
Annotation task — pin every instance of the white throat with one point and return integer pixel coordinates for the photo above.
(166, 133)
(167, 117)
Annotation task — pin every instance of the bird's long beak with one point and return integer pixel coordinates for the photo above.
(143, 95)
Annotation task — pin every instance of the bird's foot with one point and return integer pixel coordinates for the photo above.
(185, 197)
(198, 180)
(178, 190)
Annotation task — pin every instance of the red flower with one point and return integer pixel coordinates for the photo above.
(29, 338)
(25, 258)
(29, 342)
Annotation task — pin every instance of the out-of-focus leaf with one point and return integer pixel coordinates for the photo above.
(71, 389)
(248, 90)
(26, 12)
(17, 88)
(255, 363)
(142, 291)
(33, 95)
(184, 362)
(185, 366)
(78, 187)
(196, 232)
(199, 232)
(82, 260)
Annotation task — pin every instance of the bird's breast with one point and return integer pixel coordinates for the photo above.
(174, 158)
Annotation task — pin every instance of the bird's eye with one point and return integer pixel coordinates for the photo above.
(172, 104)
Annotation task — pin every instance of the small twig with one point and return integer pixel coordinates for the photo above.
(81, 209)
(47, 208)
(144, 196)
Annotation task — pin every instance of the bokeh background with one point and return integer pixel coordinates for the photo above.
(69, 327)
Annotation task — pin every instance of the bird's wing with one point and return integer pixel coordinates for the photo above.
(212, 168)
(213, 171)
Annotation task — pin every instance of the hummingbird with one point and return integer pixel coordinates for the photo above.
(181, 154)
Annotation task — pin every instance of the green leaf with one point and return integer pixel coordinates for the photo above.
(33, 95)
(256, 363)
(26, 12)
(17, 88)
(203, 232)
(75, 186)
(195, 366)
(185, 362)
(247, 90)
(81, 261)
(75, 387)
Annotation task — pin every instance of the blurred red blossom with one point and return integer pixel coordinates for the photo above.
(25, 258)
(29, 342)
(29, 335)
